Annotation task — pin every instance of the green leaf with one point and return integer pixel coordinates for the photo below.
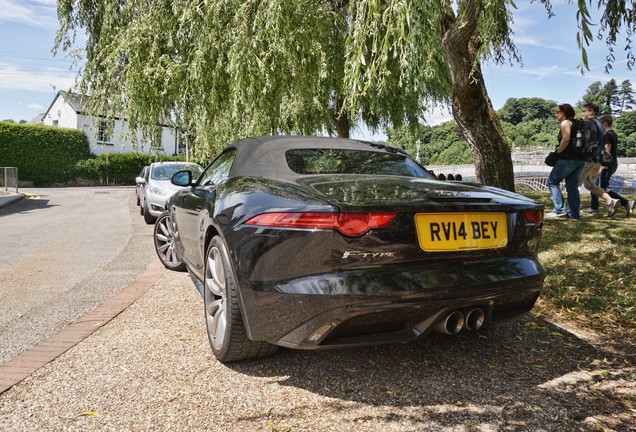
(584, 58)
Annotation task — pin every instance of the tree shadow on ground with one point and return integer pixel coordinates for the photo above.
(522, 373)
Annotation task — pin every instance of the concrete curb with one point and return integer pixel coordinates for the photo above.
(7, 200)
(26, 363)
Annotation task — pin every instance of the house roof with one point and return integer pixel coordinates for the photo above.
(37, 119)
(74, 100)
(78, 104)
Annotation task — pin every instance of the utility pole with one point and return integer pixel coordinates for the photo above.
(418, 145)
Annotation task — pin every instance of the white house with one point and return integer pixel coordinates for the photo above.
(67, 111)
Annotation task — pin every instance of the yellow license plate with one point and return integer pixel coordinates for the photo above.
(443, 232)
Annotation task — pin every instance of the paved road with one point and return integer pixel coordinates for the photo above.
(64, 251)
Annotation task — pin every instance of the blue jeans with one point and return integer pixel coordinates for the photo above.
(570, 171)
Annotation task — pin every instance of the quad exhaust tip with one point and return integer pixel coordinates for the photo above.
(475, 319)
(453, 322)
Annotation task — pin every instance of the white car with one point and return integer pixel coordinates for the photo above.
(139, 189)
(156, 187)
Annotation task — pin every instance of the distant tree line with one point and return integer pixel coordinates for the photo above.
(13, 121)
(527, 122)
(611, 98)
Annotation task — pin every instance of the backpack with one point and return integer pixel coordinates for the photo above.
(585, 137)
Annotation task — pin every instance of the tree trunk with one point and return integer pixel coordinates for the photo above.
(472, 107)
(343, 126)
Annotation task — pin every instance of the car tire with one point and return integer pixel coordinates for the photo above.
(148, 218)
(164, 237)
(223, 319)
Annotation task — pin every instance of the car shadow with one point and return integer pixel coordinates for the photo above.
(523, 370)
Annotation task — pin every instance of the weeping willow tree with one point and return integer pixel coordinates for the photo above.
(224, 69)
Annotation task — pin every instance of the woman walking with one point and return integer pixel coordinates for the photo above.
(568, 167)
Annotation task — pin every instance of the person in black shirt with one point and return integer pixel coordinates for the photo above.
(610, 144)
(568, 167)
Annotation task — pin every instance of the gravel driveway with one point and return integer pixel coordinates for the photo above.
(151, 368)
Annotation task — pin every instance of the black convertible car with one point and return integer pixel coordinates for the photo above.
(312, 243)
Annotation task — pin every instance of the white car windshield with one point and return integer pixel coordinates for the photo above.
(165, 172)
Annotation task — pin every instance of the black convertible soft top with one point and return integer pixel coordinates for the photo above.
(265, 156)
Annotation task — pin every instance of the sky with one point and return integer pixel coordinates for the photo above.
(30, 75)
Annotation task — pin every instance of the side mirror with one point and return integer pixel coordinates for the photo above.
(140, 180)
(182, 178)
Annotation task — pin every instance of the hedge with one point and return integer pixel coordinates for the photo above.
(117, 168)
(43, 154)
(48, 155)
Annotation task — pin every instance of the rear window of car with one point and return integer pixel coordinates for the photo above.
(346, 161)
(165, 172)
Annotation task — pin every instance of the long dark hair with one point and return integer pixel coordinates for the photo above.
(567, 110)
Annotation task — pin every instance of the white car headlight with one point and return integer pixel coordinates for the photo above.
(158, 191)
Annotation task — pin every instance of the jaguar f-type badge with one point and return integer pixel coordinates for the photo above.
(361, 254)
(450, 194)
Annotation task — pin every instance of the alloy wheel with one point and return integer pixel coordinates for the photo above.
(165, 235)
(215, 298)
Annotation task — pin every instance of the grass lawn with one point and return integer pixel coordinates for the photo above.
(591, 270)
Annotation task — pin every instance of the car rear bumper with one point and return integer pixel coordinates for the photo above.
(355, 308)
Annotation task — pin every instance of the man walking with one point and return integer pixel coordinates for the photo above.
(592, 168)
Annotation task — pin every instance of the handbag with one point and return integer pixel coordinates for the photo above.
(551, 158)
(606, 159)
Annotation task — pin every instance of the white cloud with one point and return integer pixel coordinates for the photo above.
(34, 79)
(542, 72)
(524, 40)
(35, 107)
(522, 19)
(595, 74)
(10, 11)
(438, 115)
(37, 13)
(547, 71)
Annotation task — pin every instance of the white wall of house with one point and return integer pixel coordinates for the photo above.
(120, 141)
(62, 114)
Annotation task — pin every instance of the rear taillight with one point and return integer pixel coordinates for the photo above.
(349, 224)
(355, 224)
(534, 217)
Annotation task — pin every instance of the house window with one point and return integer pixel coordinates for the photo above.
(102, 133)
(56, 123)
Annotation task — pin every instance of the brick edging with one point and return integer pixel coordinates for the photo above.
(29, 361)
